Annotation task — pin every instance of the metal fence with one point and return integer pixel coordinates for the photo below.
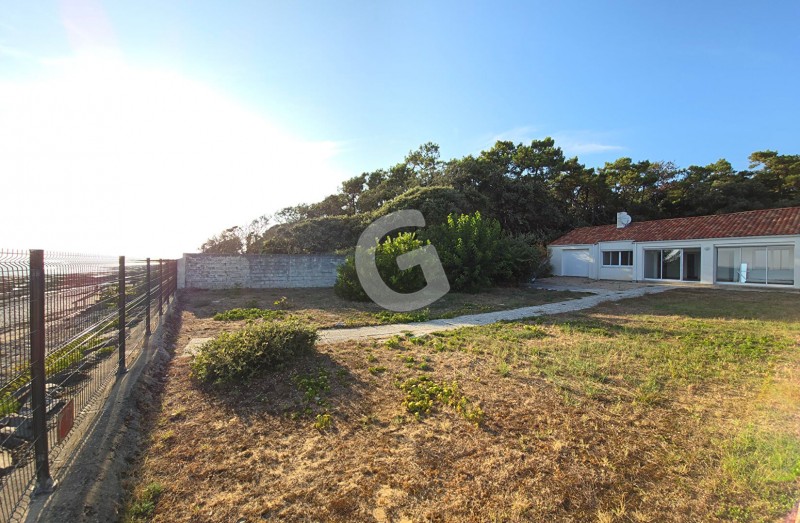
(68, 324)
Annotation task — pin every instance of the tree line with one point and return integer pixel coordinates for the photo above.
(531, 189)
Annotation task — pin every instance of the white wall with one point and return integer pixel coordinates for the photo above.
(615, 273)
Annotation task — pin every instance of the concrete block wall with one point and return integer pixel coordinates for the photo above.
(257, 271)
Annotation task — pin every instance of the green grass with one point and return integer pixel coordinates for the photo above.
(144, 505)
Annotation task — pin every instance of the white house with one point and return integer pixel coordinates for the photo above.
(757, 248)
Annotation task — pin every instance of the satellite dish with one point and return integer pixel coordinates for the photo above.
(623, 220)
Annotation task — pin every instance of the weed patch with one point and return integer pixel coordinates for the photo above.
(249, 314)
(423, 394)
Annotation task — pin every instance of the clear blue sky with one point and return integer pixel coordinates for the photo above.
(362, 83)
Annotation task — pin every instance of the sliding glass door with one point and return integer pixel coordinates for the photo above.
(672, 264)
(773, 265)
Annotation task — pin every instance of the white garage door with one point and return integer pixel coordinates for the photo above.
(576, 262)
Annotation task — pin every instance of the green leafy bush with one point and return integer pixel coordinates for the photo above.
(470, 247)
(474, 251)
(348, 285)
(237, 356)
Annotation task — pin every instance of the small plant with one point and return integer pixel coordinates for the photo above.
(144, 505)
(503, 369)
(313, 387)
(282, 303)
(322, 422)
(410, 361)
(380, 369)
(239, 355)
(395, 342)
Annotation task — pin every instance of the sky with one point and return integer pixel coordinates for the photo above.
(142, 128)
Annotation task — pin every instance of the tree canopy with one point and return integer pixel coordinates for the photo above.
(531, 189)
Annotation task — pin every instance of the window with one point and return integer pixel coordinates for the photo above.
(618, 258)
(772, 265)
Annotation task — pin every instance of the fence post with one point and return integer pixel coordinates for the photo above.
(122, 368)
(147, 300)
(44, 483)
(160, 287)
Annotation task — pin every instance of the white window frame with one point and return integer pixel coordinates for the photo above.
(619, 258)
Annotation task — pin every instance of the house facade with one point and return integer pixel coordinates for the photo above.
(755, 248)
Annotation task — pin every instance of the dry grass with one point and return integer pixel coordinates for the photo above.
(323, 309)
(674, 407)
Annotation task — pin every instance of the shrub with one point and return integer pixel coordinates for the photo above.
(522, 257)
(348, 285)
(470, 248)
(474, 251)
(237, 356)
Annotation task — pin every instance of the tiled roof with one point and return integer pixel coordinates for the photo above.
(767, 222)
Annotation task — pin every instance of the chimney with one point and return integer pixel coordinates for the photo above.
(623, 220)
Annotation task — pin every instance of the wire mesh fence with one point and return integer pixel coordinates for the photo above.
(68, 325)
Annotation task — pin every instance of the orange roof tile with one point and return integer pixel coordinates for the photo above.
(766, 222)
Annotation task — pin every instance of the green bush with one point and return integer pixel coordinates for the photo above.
(411, 280)
(474, 251)
(522, 257)
(470, 248)
(237, 356)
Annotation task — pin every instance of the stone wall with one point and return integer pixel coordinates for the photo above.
(258, 271)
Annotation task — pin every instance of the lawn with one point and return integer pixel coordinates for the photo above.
(681, 406)
(323, 309)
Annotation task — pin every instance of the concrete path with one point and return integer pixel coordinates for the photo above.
(471, 320)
